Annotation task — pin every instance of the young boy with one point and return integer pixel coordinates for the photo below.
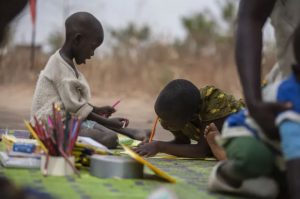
(189, 113)
(255, 162)
(60, 82)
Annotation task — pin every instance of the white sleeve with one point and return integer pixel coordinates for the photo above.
(75, 96)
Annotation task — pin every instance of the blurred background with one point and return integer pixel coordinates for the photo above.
(147, 44)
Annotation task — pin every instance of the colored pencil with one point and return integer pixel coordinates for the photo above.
(35, 136)
(116, 103)
(56, 136)
(153, 130)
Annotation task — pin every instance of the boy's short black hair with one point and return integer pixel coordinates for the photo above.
(83, 22)
(179, 99)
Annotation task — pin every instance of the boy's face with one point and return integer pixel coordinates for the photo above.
(84, 47)
(174, 123)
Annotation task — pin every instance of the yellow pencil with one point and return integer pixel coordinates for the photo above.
(35, 136)
(153, 130)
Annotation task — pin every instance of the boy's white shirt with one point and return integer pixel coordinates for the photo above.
(57, 83)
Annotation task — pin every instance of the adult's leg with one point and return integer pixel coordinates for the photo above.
(290, 139)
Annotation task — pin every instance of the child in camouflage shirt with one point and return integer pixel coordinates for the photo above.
(191, 114)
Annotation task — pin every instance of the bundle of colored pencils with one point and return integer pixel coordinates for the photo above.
(82, 156)
(83, 152)
(57, 135)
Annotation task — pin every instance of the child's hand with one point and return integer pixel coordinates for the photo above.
(147, 149)
(118, 123)
(210, 132)
(142, 135)
(104, 111)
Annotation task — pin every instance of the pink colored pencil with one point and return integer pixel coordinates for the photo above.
(116, 103)
(74, 138)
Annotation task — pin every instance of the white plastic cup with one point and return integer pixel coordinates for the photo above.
(57, 166)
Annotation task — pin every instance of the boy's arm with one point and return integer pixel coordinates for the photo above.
(178, 147)
(180, 150)
(103, 110)
(114, 123)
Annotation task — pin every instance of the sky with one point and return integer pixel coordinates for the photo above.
(163, 16)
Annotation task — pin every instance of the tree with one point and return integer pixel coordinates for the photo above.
(129, 40)
(201, 32)
(55, 40)
(131, 35)
(228, 13)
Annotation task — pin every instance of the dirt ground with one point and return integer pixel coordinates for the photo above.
(15, 103)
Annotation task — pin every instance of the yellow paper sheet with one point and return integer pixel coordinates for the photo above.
(156, 170)
(128, 141)
(172, 157)
(167, 156)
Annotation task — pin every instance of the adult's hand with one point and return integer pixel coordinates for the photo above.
(265, 113)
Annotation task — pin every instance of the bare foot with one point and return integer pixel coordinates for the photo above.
(210, 133)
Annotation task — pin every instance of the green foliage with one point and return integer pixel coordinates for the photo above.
(131, 34)
(199, 28)
(229, 11)
(204, 32)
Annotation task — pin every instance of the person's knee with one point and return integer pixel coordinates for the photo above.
(107, 138)
(110, 141)
(250, 156)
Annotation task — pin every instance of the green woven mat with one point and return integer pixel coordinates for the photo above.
(192, 177)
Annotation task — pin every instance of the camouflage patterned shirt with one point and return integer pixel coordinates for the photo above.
(215, 104)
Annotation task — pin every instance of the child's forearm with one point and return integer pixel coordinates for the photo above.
(125, 131)
(95, 117)
(182, 150)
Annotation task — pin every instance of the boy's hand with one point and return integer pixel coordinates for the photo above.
(142, 135)
(265, 113)
(147, 149)
(118, 123)
(104, 110)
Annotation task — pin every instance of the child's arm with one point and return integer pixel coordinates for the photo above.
(103, 110)
(178, 147)
(181, 150)
(110, 123)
